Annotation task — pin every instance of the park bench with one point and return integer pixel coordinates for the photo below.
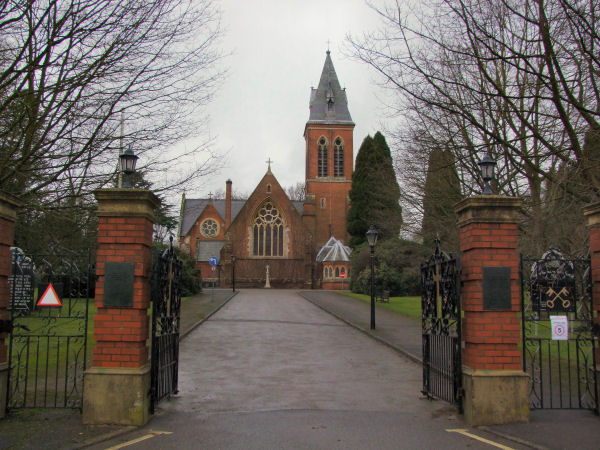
(384, 297)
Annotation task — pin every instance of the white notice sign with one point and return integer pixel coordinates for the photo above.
(560, 328)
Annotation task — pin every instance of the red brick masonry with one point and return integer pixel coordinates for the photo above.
(124, 235)
(8, 206)
(489, 238)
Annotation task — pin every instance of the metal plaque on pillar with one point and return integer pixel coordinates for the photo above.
(496, 288)
(118, 284)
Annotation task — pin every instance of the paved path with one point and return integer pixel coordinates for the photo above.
(272, 370)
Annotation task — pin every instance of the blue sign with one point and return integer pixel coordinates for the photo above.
(213, 260)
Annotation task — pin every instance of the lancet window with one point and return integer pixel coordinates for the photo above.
(322, 158)
(338, 158)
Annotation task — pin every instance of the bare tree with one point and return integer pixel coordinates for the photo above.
(71, 69)
(517, 79)
(296, 192)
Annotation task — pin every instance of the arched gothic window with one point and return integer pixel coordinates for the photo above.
(324, 272)
(337, 272)
(267, 229)
(322, 158)
(343, 271)
(338, 158)
(331, 272)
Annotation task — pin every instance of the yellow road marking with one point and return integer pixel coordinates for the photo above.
(140, 439)
(479, 438)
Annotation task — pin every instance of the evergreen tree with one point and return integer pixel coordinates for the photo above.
(375, 194)
(442, 192)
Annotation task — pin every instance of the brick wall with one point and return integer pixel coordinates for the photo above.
(592, 213)
(291, 270)
(124, 235)
(333, 190)
(8, 207)
(489, 238)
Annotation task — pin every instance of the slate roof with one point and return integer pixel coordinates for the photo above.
(334, 251)
(328, 102)
(194, 207)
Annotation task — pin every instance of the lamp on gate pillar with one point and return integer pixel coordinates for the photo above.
(372, 239)
(233, 273)
(487, 166)
(127, 162)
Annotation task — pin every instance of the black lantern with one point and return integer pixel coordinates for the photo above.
(372, 236)
(127, 161)
(372, 239)
(487, 165)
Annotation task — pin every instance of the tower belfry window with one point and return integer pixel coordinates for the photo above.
(322, 158)
(330, 98)
(338, 158)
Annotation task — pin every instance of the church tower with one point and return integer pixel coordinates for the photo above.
(329, 158)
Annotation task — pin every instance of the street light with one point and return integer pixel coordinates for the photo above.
(233, 273)
(487, 165)
(127, 161)
(372, 239)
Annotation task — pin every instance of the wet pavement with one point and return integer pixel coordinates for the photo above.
(280, 369)
(272, 370)
(63, 428)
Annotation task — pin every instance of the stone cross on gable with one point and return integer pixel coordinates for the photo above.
(269, 161)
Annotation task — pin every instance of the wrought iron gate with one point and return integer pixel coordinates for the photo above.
(166, 304)
(441, 327)
(559, 339)
(48, 344)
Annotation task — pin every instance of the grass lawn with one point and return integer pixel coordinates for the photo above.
(407, 306)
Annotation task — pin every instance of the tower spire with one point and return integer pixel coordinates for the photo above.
(328, 102)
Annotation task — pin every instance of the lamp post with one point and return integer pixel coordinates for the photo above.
(233, 273)
(127, 161)
(372, 239)
(487, 166)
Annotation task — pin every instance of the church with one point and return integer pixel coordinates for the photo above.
(267, 240)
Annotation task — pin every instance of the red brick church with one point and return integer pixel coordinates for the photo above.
(276, 241)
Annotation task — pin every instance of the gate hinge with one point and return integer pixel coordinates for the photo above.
(6, 326)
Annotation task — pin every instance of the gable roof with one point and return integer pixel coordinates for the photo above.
(328, 103)
(194, 207)
(333, 251)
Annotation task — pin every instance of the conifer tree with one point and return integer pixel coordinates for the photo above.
(375, 194)
(442, 192)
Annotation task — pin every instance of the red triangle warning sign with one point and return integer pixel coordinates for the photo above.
(49, 298)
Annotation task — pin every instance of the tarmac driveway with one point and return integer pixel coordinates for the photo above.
(272, 370)
(270, 349)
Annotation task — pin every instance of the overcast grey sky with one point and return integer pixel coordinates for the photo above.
(278, 51)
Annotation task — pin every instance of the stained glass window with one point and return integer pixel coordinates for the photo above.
(209, 228)
(267, 231)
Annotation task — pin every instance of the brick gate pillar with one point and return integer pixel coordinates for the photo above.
(117, 386)
(496, 390)
(8, 216)
(592, 214)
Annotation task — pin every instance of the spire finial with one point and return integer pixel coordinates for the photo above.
(269, 161)
(328, 47)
